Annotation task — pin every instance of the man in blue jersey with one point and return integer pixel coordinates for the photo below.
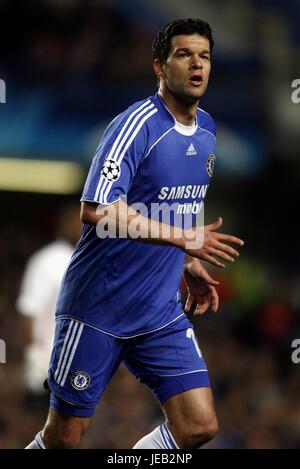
(119, 299)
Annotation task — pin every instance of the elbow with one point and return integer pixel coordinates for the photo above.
(85, 218)
(84, 215)
(87, 213)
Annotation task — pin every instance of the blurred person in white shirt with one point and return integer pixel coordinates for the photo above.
(38, 295)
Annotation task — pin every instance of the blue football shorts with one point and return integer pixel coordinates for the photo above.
(84, 359)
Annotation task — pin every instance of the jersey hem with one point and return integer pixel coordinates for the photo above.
(119, 336)
(186, 373)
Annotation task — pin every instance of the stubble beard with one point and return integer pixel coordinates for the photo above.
(185, 98)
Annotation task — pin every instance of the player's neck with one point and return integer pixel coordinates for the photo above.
(183, 113)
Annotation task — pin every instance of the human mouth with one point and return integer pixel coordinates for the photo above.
(196, 80)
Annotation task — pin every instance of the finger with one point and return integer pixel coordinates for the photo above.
(213, 261)
(228, 249)
(216, 225)
(201, 308)
(208, 279)
(229, 238)
(189, 303)
(214, 299)
(221, 254)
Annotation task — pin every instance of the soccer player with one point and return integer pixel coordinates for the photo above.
(119, 299)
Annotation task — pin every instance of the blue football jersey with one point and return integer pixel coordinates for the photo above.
(125, 287)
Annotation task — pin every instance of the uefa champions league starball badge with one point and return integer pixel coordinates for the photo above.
(111, 170)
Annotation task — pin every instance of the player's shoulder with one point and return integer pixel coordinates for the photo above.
(206, 121)
(144, 120)
(135, 115)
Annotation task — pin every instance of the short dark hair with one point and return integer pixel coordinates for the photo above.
(162, 40)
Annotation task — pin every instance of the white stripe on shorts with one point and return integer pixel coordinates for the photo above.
(72, 354)
(63, 348)
(68, 351)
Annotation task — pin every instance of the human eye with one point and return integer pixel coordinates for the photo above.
(182, 53)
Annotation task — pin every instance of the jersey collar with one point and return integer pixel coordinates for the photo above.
(180, 128)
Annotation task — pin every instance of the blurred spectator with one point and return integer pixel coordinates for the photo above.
(38, 295)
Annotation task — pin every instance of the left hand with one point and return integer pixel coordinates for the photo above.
(201, 288)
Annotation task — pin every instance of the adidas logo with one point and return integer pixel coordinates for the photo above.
(191, 150)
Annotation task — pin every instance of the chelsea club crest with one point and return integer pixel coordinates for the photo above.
(210, 163)
(80, 380)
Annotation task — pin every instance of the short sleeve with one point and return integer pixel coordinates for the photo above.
(118, 156)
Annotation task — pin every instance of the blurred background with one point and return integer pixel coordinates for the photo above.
(70, 66)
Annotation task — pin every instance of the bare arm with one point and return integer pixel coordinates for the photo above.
(121, 221)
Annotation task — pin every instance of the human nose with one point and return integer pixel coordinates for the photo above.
(196, 63)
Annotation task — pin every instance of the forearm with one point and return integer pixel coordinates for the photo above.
(120, 220)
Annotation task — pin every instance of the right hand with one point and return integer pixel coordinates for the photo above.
(215, 244)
